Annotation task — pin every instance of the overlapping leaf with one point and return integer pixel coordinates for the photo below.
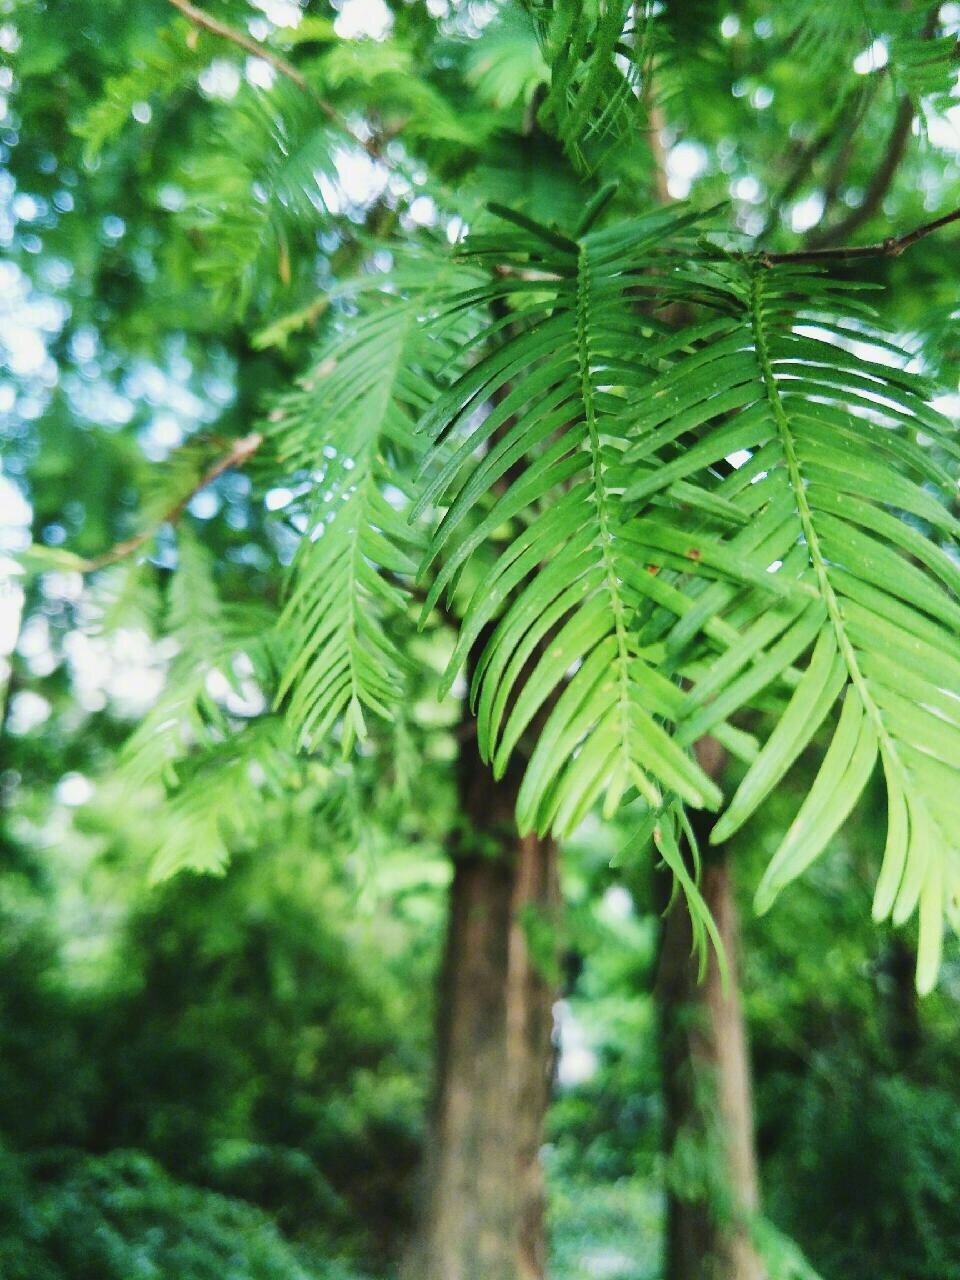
(843, 463)
(223, 655)
(253, 201)
(534, 434)
(908, 43)
(220, 798)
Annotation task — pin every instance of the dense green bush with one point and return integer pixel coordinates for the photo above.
(241, 1035)
(120, 1217)
(40, 1036)
(252, 1052)
(866, 1179)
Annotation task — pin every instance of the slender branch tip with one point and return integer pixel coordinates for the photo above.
(239, 453)
(889, 247)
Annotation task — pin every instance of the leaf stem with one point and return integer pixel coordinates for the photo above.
(606, 538)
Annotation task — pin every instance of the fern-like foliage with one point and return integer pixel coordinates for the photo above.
(206, 744)
(385, 82)
(843, 470)
(220, 798)
(255, 197)
(644, 532)
(219, 650)
(171, 65)
(918, 57)
(534, 435)
(347, 438)
(506, 66)
(595, 50)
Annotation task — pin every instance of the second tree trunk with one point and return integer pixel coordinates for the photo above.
(713, 1191)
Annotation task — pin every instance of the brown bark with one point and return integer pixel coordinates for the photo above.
(483, 1211)
(533, 980)
(707, 1095)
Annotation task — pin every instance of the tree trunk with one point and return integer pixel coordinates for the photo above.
(533, 987)
(483, 1201)
(708, 1134)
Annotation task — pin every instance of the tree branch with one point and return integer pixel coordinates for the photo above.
(891, 247)
(851, 112)
(373, 146)
(240, 38)
(879, 185)
(239, 453)
(837, 171)
(887, 169)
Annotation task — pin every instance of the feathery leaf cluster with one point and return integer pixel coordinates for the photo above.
(661, 491)
(361, 400)
(189, 743)
(649, 532)
(845, 474)
(595, 51)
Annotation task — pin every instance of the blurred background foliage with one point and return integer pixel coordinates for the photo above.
(228, 1076)
(235, 1070)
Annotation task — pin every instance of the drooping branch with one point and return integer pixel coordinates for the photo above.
(891, 247)
(237, 455)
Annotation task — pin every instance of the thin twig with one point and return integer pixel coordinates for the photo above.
(238, 454)
(891, 247)
(240, 38)
(373, 145)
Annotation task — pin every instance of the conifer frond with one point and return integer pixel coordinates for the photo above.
(254, 199)
(534, 434)
(220, 651)
(506, 65)
(206, 742)
(164, 70)
(925, 67)
(900, 41)
(595, 52)
(936, 336)
(221, 798)
(384, 81)
(841, 464)
(347, 438)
